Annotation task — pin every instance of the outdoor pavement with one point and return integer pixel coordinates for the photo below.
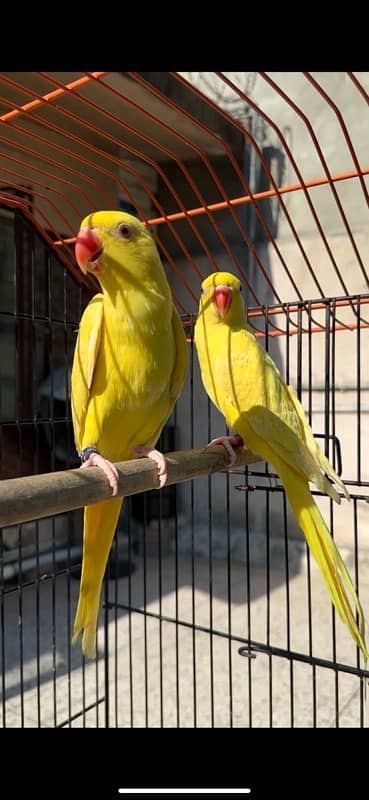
(164, 674)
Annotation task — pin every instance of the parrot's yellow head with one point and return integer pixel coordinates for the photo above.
(221, 299)
(117, 247)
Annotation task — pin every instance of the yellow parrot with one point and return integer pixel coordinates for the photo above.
(245, 385)
(129, 367)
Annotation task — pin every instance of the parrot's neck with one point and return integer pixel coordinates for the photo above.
(132, 308)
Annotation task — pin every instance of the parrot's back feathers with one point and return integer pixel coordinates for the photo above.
(181, 362)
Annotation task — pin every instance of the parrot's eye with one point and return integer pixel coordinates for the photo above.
(125, 231)
(240, 288)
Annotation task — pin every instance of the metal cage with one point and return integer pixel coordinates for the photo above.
(213, 614)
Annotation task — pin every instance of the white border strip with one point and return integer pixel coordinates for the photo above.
(184, 791)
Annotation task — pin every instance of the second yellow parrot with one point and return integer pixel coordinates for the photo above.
(129, 367)
(245, 385)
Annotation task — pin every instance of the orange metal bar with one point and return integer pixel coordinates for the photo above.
(315, 306)
(246, 133)
(172, 155)
(116, 160)
(51, 161)
(68, 263)
(237, 201)
(350, 326)
(17, 202)
(282, 139)
(104, 171)
(344, 128)
(183, 213)
(66, 222)
(46, 98)
(183, 168)
(169, 152)
(294, 163)
(14, 160)
(19, 185)
(77, 156)
(294, 332)
(259, 153)
(293, 309)
(135, 152)
(243, 231)
(323, 160)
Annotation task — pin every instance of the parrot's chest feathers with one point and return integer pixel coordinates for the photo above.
(222, 366)
(136, 361)
(239, 375)
(136, 316)
(138, 311)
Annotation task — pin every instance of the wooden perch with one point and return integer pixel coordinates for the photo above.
(37, 496)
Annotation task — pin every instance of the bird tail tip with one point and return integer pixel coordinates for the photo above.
(88, 640)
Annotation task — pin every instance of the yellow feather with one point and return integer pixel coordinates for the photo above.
(243, 382)
(100, 521)
(85, 355)
(129, 367)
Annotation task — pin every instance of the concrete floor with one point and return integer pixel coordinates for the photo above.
(167, 674)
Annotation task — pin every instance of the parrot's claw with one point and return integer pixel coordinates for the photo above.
(231, 443)
(155, 455)
(109, 469)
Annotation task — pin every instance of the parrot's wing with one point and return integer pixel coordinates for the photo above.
(85, 357)
(179, 370)
(276, 433)
(280, 439)
(181, 361)
(276, 416)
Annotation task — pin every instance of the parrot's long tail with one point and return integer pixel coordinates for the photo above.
(326, 554)
(100, 520)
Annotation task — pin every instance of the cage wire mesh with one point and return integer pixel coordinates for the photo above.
(213, 612)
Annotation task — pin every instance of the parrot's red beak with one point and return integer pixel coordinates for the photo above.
(88, 250)
(222, 297)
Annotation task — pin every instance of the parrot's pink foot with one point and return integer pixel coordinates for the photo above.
(109, 469)
(231, 443)
(150, 452)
